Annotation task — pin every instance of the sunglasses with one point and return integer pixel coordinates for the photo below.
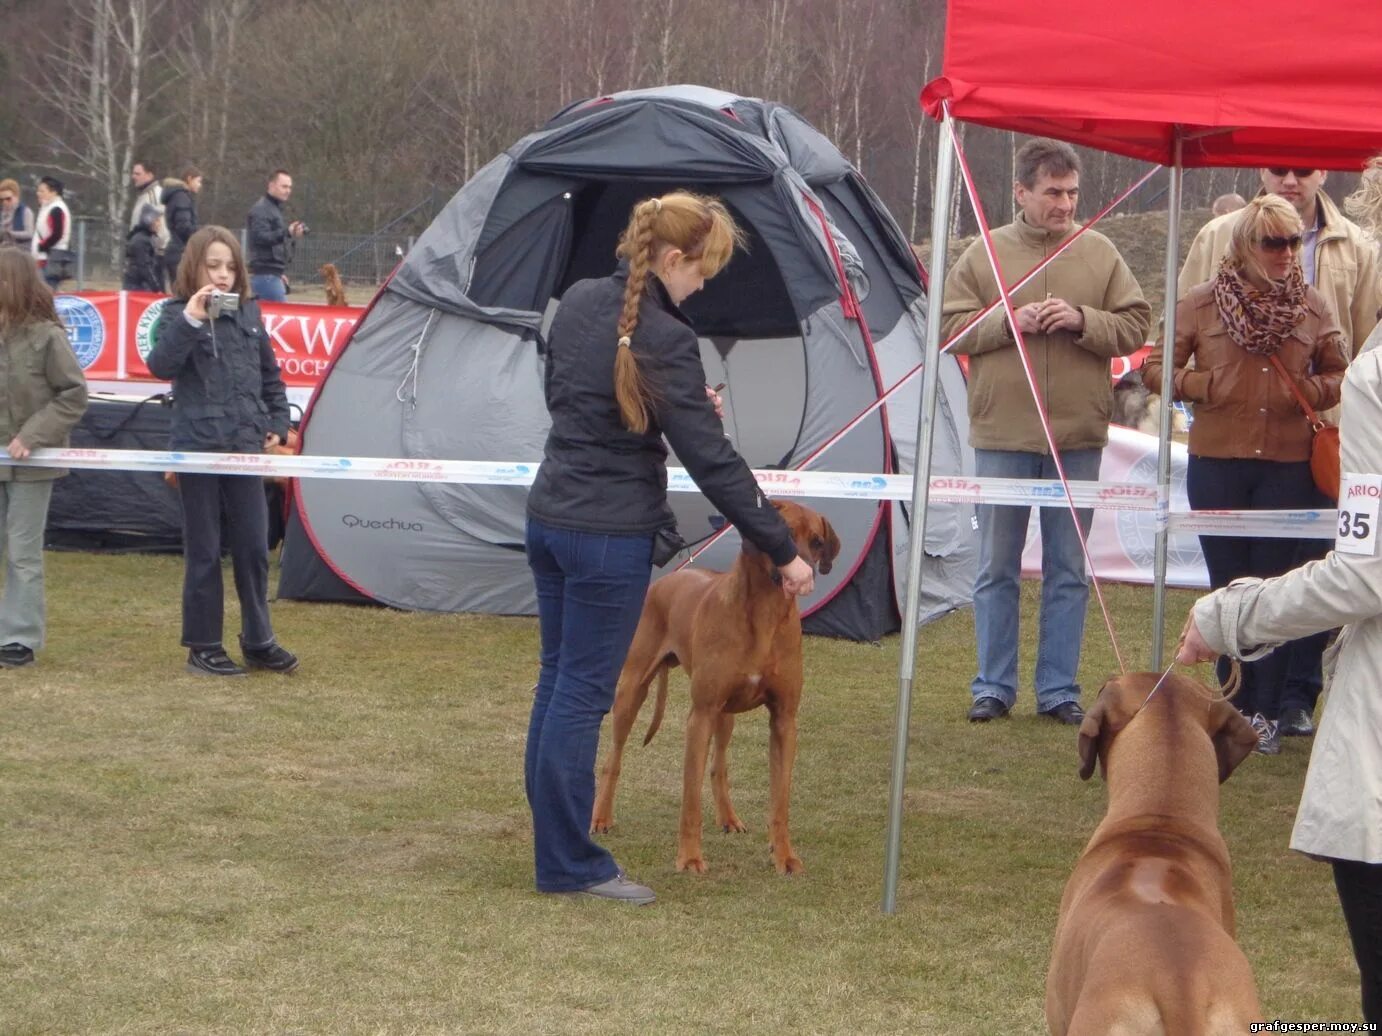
(1281, 170)
(1280, 244)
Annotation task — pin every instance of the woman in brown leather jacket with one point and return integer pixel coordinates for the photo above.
(1250, 441)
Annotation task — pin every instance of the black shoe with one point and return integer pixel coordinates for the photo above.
(12, 656)
(1295, 723)
(212, 661)
(1068, 713)
(275, 658)
(985, 709)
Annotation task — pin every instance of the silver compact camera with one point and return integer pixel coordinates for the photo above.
(222, 302)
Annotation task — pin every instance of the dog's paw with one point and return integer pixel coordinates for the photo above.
(789, 864)
(601, 825)
(694, 864)
(733, 825)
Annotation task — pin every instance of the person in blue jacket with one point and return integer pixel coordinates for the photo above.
(228, 397)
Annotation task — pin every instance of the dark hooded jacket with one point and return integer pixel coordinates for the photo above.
(227, 390)
(143, 271)
(270, 245)
(180, 219)
(598, 476)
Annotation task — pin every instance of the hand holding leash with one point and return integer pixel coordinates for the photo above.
(713, 394)
(1192, 647)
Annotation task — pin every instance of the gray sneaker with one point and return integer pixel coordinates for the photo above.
(622, 889)
(1268, 736)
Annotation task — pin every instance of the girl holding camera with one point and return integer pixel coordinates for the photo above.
(227, 398)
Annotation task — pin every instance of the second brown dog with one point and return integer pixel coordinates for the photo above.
(1145, 942)
(738, 636)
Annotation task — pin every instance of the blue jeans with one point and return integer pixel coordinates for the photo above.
(1064, 583)
(268, 287)
(590, 590)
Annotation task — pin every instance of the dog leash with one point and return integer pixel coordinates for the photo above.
(1158, 686)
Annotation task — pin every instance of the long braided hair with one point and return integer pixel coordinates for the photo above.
(704, 231)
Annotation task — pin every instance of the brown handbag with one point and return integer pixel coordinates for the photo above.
(1324, 448)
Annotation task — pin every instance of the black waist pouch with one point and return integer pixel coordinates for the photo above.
(667, 544)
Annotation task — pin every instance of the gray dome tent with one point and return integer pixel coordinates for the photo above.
(447, 362)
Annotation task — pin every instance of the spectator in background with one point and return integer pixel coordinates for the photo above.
(1336, 256)
(16, 218)
(1226, 203)
(1364, 204)
(1084, 309)
(42, 395)
(271, 239)
(52, 241)
(147, 191)
(1250, 443)
(143, 269)
(179, 216)
(1338, 259)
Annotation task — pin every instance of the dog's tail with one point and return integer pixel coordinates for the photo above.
(659, 706)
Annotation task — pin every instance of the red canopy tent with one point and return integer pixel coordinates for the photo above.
(1248, 83)
(1176, 82)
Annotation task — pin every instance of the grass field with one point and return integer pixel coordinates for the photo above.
(348, 850)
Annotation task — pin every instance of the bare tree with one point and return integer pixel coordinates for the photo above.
(206, 52)
(102, 80)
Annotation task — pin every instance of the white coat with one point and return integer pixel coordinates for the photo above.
(1340, 813)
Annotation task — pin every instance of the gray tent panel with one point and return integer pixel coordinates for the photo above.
(448, 365)
(663, 143)
(808, 150)
(461, 388)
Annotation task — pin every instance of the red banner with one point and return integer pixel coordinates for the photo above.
(112, 332)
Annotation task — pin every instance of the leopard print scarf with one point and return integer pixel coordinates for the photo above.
(1260, 320)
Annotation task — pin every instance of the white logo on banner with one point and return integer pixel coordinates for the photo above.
(147, 328)
(85, 328)
(1137, 531)
(1360, 506)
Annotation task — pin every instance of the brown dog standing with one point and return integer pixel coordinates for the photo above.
(739, 638)
(1145, 941)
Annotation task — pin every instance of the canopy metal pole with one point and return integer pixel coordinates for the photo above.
(1163, 464)
(926, 423)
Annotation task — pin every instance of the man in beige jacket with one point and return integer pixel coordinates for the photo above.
(1340, 260)
(1080, 312)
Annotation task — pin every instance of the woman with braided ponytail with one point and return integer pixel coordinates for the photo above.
(623, 372)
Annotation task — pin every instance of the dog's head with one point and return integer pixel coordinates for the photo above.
(1122, 698)
(816, 540)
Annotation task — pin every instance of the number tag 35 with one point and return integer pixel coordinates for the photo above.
(1360, 506)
